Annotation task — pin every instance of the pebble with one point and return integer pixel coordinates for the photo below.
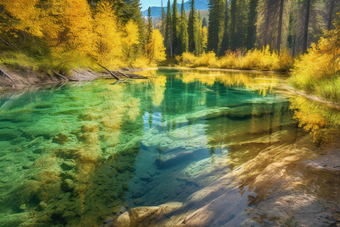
(67, 185)
(138, 201)
(69, 164)
(152, 173)
(28, 165)
(42, 205)
(145, 177)
(22, 207)
(136, 181)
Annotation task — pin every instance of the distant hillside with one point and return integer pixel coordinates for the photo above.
(156, 11)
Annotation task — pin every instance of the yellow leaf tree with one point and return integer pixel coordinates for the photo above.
(129, 41)
(204, 38)
(78, 26)
(107, 40)
(155, 49)
(21, 15)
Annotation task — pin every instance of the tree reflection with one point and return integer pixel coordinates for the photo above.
(316, 118)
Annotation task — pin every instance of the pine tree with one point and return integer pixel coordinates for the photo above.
(251, 24)
(175, 28)
(204, 22)
(225, 39)
(148, 38)
(332, 9)
(308, 26)
(233, 37)
(241, 24)
(273, 23)
(199, 34)
(192, 29)
(184, 40)
(162, 30)
(168, 32)
(120, 7)
(216, 24)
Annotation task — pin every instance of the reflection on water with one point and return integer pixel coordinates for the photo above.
(320, 120)
(82, 154)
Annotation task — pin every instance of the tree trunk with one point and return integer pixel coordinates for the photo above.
(280, 27)
(330, 15)
(306, 25)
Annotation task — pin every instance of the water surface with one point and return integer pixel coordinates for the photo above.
(81, 154)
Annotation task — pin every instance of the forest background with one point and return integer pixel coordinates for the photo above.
(301, 36)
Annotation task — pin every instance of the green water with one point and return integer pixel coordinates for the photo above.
(81, 154)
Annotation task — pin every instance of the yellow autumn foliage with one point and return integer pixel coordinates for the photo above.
(317, 71)
(106, 29)
(263, 60)
(262, 85)
(316, 118)
(319, 63)
(26, 17)
(155, 50)
(67, 33)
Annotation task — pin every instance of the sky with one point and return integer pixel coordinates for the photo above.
(147, 3)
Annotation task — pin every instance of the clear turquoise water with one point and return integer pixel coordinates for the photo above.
(81, 154)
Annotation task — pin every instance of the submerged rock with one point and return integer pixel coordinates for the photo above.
(28, 165)
(9, 134)
(46, 127)
(145, 177)
(42, 205)
(69, 164)
(138, 201)
(47, 176)
(68, 215)
(137, 215)
(89, 138)
(86, 117)
(170, 160)
(122, 221)
(249, 111)
(90, 127)
(67, 185)
(61, 138)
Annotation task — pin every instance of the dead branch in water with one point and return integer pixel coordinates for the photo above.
(58, 74)
(112, 74)
(2, 73)
(122, 74)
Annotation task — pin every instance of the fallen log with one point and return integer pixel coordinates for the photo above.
(59, 75)
(136, 76)
(112, 74)
(2, 73)
(122, 74)
(131, 69)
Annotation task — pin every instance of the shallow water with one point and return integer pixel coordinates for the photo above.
(81, 154)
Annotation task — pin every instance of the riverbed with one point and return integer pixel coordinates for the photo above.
(230, 147)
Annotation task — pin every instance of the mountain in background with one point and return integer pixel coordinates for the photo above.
(156, 11)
